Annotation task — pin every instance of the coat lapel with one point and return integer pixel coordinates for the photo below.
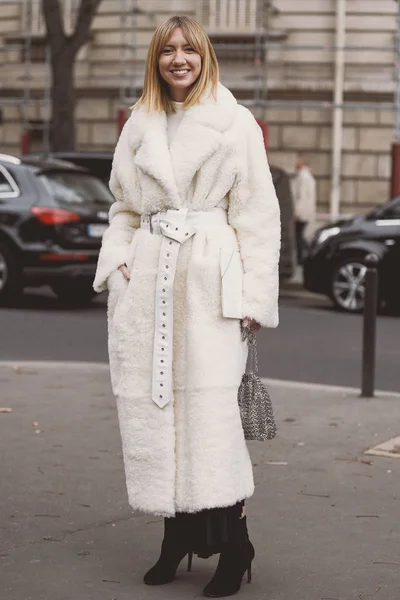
(198, 137)
(200, 134)
(149, 139)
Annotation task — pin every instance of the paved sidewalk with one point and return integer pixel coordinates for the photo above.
(325, 525)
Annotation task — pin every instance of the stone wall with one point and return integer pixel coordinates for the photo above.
(366, 160)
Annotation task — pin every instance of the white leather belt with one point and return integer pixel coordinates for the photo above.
(176, 227)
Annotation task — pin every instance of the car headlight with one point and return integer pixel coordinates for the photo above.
(326, 234)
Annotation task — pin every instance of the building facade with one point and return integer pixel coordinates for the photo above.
(288, 60)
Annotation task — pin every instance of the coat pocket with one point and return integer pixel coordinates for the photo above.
(231, 283)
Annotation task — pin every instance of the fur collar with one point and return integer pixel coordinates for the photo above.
(198, 137)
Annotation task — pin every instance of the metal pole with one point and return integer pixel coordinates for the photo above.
(369, 327)
(337, 130)
(25, 142)
(47, 103)
(258, 52)
(395, 181)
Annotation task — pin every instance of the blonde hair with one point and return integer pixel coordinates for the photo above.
(155, 95)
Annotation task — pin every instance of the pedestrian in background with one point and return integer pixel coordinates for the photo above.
(305, 206)
(189, 259)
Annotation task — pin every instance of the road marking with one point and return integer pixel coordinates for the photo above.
(284, 383)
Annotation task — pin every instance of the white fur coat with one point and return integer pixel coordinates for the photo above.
(190, 455)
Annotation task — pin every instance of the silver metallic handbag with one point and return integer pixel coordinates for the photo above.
(254, 401)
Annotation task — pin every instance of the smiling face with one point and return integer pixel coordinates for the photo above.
(180, 65)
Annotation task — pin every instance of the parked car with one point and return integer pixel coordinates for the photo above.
(52, 218)
(336, 267)
(98, 163)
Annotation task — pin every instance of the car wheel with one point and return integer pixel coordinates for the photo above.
(348, 285)
(74, 293)
(10, 277)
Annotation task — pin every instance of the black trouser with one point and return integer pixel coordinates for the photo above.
(209, 530)
(301, 242)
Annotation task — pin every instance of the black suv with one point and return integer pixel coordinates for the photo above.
(52, 218)
(98, 163)
(336, 267)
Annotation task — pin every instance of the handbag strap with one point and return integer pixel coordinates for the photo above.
(252, 358)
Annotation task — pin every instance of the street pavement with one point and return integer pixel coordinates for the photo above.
(324, 519)
(312, 344)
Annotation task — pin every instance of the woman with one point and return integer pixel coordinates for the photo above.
(190, 256)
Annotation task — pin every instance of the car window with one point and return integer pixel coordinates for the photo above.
(392, 211)
(76, 188)
(8, 187)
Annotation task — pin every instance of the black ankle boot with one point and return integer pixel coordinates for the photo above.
(235, 559)
(174, 548)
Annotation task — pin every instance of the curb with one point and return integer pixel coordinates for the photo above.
(104, 367)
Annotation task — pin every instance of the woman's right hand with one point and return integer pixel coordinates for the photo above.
(124, 271)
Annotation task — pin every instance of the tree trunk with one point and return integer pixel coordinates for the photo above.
(64, 49)
(63, 102)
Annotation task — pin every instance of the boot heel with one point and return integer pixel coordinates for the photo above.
(190, 558)
(249, 574)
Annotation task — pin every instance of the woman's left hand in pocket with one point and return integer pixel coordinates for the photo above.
(251, 324)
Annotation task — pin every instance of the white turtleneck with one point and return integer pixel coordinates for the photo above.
(173, 120)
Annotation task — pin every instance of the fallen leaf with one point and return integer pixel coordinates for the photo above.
(367, 462)
(5, 410)
(35, 424)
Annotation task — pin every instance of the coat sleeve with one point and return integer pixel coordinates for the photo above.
(123, 221)
(255, 215)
